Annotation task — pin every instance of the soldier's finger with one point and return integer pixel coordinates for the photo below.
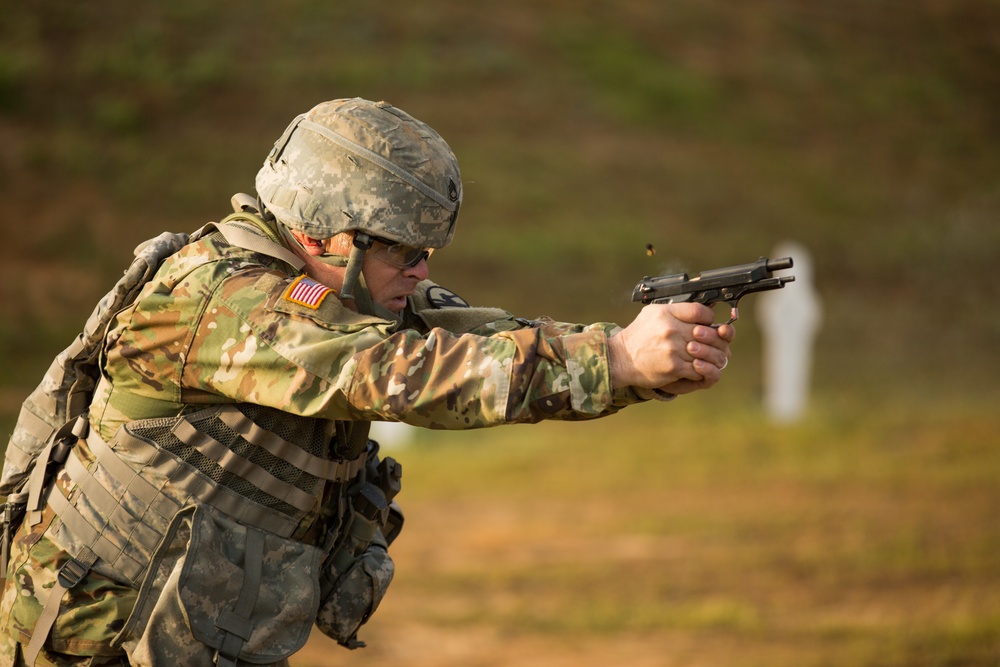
(712, 355)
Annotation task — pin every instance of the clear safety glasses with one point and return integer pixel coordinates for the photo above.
(399, 255)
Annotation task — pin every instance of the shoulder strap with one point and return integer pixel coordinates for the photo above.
(243, 231)
(244, 237)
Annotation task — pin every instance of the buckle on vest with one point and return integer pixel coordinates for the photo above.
(72, 572)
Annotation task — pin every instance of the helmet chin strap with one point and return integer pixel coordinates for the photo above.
(362, 242)
(354, 287)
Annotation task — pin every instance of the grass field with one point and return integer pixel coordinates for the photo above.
(695, 533)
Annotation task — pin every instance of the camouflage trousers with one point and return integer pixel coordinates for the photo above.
(12, 653)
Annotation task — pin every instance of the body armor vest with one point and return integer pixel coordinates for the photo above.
(259, 466)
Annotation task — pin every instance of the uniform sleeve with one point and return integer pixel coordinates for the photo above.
(254, 343)
(435, 306)
(622, 396)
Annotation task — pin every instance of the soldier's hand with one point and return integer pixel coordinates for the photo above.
(671, 347)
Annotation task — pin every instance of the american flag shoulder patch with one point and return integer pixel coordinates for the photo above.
(306, 292)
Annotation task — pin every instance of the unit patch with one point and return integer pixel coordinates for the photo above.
(306, 292)
(440, 297)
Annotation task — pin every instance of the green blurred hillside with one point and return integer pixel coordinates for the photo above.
(868, 131)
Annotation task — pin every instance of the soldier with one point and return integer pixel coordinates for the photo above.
(220, 495)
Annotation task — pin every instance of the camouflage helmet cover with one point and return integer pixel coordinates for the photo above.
(352, 164)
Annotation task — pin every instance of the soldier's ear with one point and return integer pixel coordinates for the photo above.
(311, 245)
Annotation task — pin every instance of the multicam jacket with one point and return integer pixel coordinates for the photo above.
(223, 325)
(218, 324)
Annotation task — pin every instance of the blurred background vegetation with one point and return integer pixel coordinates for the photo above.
(868, 131)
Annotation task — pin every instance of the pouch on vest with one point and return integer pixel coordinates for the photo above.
(355, 595)
(243, 593)
(358, 570)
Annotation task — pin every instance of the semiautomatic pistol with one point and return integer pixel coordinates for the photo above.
(727, 285)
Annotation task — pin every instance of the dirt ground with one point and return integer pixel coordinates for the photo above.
(418, 645)
(429, 628)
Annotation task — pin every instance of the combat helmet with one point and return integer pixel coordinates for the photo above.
(352, 164)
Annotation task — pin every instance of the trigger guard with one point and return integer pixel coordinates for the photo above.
(734, 314)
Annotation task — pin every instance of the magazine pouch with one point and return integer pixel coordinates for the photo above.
(358, 571)
(355, 596)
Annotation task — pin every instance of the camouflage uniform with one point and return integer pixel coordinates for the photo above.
(224, 326)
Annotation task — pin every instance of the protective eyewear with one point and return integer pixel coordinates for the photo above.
(399, 255)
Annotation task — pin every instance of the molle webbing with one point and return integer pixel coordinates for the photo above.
(245, 469)
(205, 442)
(316, 466)
(98, 522)
(33, 426)
(133, 487)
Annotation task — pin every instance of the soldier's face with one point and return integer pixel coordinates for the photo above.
(390, 285)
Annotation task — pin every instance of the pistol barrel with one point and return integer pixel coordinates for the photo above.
(779, 264)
